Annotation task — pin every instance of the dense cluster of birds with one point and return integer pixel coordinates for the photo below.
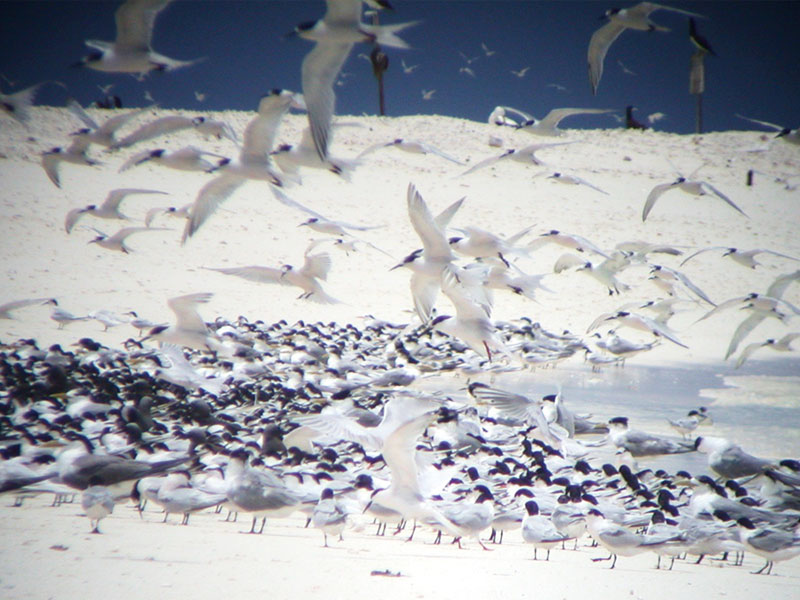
(326, 419)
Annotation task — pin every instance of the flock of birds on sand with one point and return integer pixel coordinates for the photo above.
(325, 419)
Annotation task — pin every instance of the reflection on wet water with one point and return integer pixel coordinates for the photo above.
(757, 407)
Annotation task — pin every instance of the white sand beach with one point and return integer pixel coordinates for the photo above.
(48, 552)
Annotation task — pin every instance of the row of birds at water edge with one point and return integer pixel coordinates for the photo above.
(322, 420)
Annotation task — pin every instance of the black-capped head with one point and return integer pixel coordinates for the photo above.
(532, 508)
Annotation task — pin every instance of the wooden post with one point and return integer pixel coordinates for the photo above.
(697, 85)
(380, 63)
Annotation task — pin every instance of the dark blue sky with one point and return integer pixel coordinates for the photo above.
(755, 73)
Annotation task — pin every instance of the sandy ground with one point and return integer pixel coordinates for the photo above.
(209, 559)
(47, 552)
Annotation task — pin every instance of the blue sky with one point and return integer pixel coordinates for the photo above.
(755, 72)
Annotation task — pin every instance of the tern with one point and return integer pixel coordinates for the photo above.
(102, 135)
(307, 277)
(639, 443)
(568, 240)
(471, 323)
(574, 180)
(526, 156)
(17, 105)
(771, 543)
(639, 322)
(329, 516)
(5, 309)
(189, 329)
(290, 158)
(746, 258)
(792, 136)
(98, 502)
(548, 126)
(131, 52)
(637, 17)
(117, 240)
(729, 460)
(74, 154)
(109, 209)
(253, 161)
(429, 263)
(188, 158)
(540, 530)
(412, 147)
(783, 344)
(335, 34)
(693, 187)
(173, 124)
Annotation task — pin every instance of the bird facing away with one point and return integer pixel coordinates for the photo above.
(131, 51)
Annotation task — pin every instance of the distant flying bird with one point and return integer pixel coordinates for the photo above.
(557, 87)
(408, 69)
(655, 117)
(199, 96)
(625, 69)
(486, 50)
(131, 52)
(428, 94)
(693, 187)
(620, 19)
(467, 71)
(521, 72)
(334, 36)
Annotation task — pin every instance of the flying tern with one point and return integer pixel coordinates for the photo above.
(109, 209)
(131, 51)
(619, 19)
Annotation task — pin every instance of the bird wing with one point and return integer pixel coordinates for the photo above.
(764, 123)
(50, 161)
(742, 331)
(565, 261)
(432, 236)
(778, 287)
(134, 160)
(76, 109)
(722, 196)
(709, 249)
(399, 449)
(443, 219)
(114, 197)
(599, 44)
(555, 116)
(210, 196)
(135, 19)
(317, 265)
(254, 273)
(161, 126)
(259, 135)
(424, 291)
(114, 123)
(123, 233)
(72, 217)
(654, 195)
(185, 309)
(487, 161)
(320, 68)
